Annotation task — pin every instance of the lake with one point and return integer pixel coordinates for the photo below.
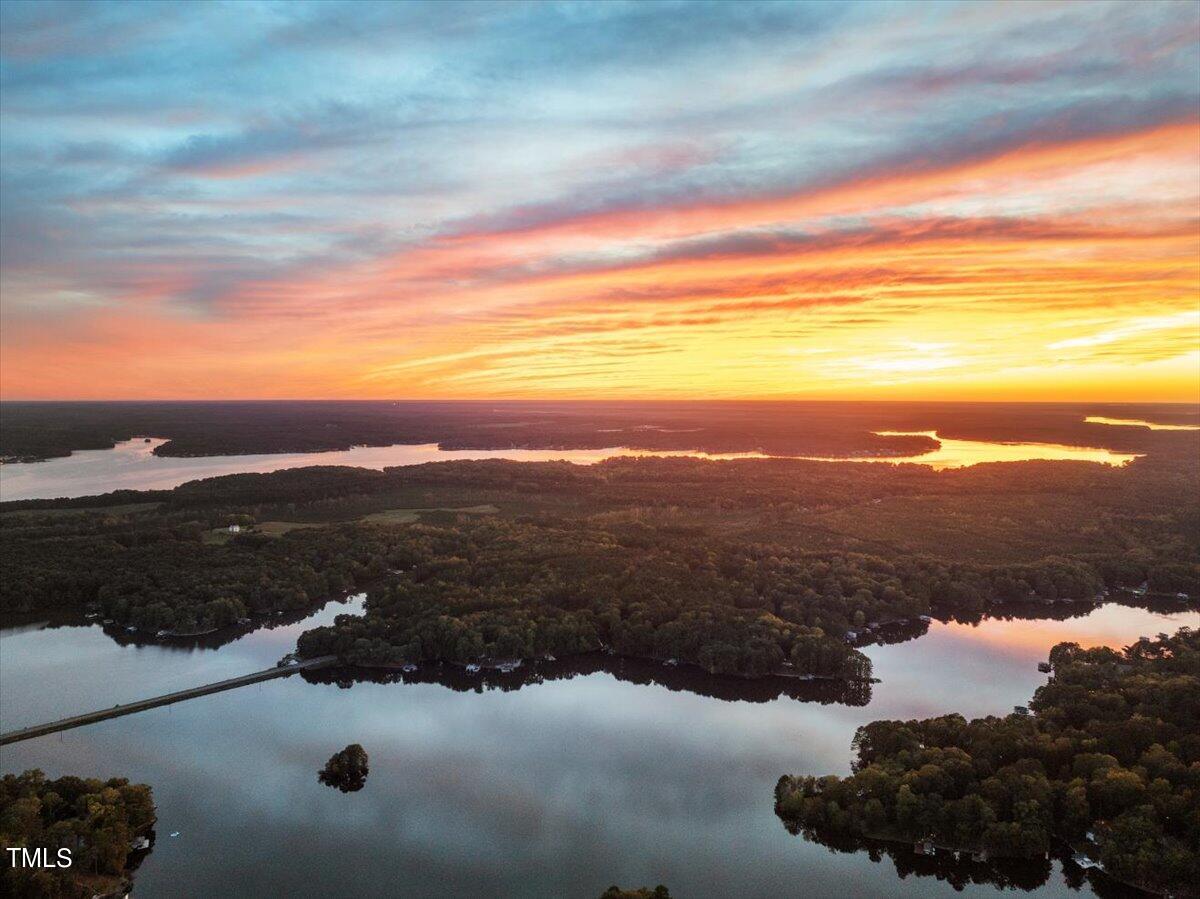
(1138, 423)
(132, 465)
(554, 789)
(608, 772)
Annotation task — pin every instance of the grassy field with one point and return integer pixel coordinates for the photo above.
(408, 516)
(387, 516)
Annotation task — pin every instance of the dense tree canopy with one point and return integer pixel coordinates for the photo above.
(1109, 761)
(96, 820)
(748, 568)
(346, 770)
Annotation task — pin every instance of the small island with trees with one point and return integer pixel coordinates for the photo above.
(346, 770)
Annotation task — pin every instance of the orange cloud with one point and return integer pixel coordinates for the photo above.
(830, 291)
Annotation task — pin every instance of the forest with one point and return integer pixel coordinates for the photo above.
(1105, 761)
(98, 821)
(748, 567)
(501, 589)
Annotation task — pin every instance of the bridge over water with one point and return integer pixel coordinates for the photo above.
(129, 708)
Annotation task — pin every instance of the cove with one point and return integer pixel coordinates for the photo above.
(556, 788)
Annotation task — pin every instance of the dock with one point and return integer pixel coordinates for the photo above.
(141, 705)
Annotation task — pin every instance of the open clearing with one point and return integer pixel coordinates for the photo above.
(408, 516)
(387, 516)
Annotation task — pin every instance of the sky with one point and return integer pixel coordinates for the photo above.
(611, 200)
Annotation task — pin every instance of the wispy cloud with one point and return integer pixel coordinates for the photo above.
(654, 199)
(1132, 328)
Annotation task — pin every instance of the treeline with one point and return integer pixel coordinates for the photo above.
(43, 430)
(1108, 763)
(97, 821)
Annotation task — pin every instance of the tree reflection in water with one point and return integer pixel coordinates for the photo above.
(963, 870)
(680, 678)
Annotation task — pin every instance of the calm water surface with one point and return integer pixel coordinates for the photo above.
(1138, 423)
(556, 789)
(132, 465)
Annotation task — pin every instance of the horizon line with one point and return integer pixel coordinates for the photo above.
(477, 400)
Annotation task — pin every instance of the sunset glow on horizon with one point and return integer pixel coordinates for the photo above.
(843, 201)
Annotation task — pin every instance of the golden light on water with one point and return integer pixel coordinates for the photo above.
(1138, 423)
